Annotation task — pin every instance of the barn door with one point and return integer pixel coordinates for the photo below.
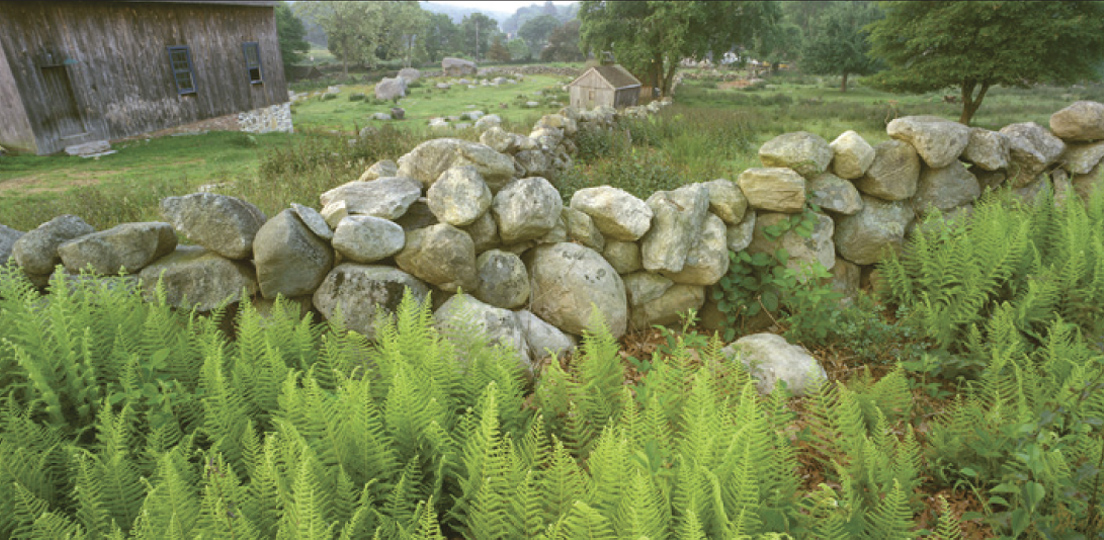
(62, 114)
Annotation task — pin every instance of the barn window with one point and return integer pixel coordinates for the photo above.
(180, 58)
(253, 61)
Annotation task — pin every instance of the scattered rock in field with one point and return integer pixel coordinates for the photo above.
(771, 359)
(389, 89)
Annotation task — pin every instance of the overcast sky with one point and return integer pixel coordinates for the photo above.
(504, 6)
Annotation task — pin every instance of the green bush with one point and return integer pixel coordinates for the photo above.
(357, 96)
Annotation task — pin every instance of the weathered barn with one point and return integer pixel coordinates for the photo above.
(74, 72)
(609, 85)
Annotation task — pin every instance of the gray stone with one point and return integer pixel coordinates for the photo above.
(484, 233)
(290, 259)
(428, 160)
(8, 236)
(503, 279)
(774, 189)
(471, 115)
(89, 149)
(987, 149)
(817, 248)
(569, 282)
(616, 212)
(668, 308)
(225, 225)
(543, 339)
(740, 235)
(37, 250)
(852, 155)
(833, 193)
(334, 212)
(894, 173)
(581, 228)
(441, 255)
(526, 209)
(367, 239)
(387, 198)
(457, 67)
(707, 261)
(487, 122)
(193, 277)
(771, 359)
(989, 179)
(1032, 150)
(938, 141)
(643, 287)
(313, 220)
(679, 216)
(1081, 121)
(418, 216)
(410, 74)
(865, 237)
(129, 247)
(804, 152)
(364, 293)
(945, 188)
(846, 277)
(499, 139)
(533, 162)
(459, 196)
(463, 314)
(389, 89)
(624, 257)
(1082, 158)
(954, 218)
(726, 200)
(1084, 184)
(1063, 188)
(380, 169)
(1033, 190)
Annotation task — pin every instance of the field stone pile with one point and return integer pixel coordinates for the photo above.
(478, 227)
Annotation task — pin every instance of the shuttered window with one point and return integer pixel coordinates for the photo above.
(252, 52)
(180, 58)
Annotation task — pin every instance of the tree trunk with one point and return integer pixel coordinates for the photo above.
(843, 85)
(669, 78)
(970, 103)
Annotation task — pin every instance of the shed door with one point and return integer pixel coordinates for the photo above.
(62, 114)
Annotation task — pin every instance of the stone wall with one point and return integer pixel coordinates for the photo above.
(456, 216)
(276, 118)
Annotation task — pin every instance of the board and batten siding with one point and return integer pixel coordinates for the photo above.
(590, 91)
(15, 129)
(111, 60)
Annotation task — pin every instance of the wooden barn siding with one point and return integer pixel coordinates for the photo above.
(15, 129)
(122, 80)
(591, 81)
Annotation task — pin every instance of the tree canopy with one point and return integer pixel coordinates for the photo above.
(477, 32)
(837, 41)
(973, 46)
(290, 33)
(563, 44)
(535, 31)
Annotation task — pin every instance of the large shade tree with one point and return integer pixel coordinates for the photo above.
(650, 38)
(837, 41)
(974, 46)
(291, 33)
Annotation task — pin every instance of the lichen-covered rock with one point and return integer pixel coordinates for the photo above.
(457, 67)
(441, 255)
(581, 228)
(624, 257)
(677, 222)
(740, 235)
(616, 212)
(367, 239)
(771, 359)
(945, 188)
(833, 193)
(533, 162)
(388, 89)
(1084, 184)
(225, 225)
(1082, 158)
(894, 173)
(8, 236)
(668, 308)
(37, 250)
(526, 209)
(543, 339)
(569, 282)
(938, 141)
(363, 293)
(428, 160)
(987, 149)
(773, 189)
(817, 248)
(503, 279)
(707, 261)
(864, 238)
(852, 155)
(381, 169)
(410, 74)
(1031, 150)
(487, 122)
(726, 200)
(484, 233)
(846, 277)
(313, 220)
(130, 247)
(643, 287)
(1081, 121)
(804, 152)
(459, 196)
(499, 140)
(290, 259)
(192, 276)
(463, 314)
(387, 198)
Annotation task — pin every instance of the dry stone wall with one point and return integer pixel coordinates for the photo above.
(477, 226)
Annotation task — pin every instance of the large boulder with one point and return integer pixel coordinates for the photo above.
(987, 149)
(774, 189)
(938, 141)
(543, 339)
(833, 193)
(428, 160)
(526, 209)
(945, 188)
(363, 293)
(894, 173)
(616, 212)
(8, 236)
(1081, 121)
(367, 239)
(389, 89)
(668, 308)
(225, 225)
(410, 74)
(569, 282)
(1032, 150)
(37, 250)
(707, 261)
(462, 314)
(387, 198)
(503, 279)
(441, 255)
(804, 152)
(1082, 158)
(459, 196)
(852, 155)
(193, 277)
(499, 139)
(770, 359)
(290, 259)
(679, 216)
(457, 67)
(128, 247)
(726, 200)
(864, 238)
(623, 256)
(817, 248)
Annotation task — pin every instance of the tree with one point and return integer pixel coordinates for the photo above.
(535, 31)
(563, 44)
(442, 36)
(290, 33)
(837, 43)
(498, 52)
(651, 38)
(352, 29)
(402, 34)
(519, 49)
(973, 46)
(476, 32)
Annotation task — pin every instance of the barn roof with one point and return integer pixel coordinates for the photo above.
(616, 75)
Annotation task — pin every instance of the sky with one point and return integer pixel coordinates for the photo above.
(505, 6)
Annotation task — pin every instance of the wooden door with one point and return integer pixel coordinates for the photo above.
(62, 114)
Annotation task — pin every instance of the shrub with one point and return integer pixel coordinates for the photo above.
(357, 96)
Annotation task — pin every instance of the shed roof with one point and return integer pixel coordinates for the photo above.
(616, 75)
